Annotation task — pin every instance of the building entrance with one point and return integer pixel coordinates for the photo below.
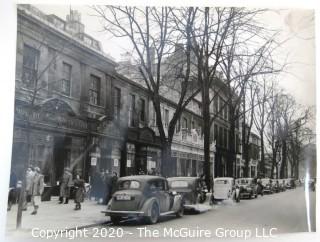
(61, 154)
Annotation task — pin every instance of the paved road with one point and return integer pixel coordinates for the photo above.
(274, 214)
(271, 214)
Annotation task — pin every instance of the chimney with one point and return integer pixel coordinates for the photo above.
(74, 25)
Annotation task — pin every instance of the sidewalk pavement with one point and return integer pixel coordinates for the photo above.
(54, 216)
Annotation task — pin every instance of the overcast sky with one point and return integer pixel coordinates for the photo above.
(296, 24)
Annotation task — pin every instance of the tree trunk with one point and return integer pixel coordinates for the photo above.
(24, 179)
(274, 162)
(232, 144)
(283, 160)
(166, 160)
(262, 163)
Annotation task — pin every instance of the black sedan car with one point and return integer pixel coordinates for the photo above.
(193, 191)
(143, 196)
(248, 187)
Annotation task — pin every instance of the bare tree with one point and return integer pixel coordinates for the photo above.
(291, 118)
(152, 33)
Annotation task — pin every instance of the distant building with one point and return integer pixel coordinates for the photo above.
(254, 157)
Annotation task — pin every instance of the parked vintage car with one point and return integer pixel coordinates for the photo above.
(267, 186)
(248, 187)
(143, 196)
(282, 185)
(290, 183)
(225, 188)
(275, 185)
(192, 189)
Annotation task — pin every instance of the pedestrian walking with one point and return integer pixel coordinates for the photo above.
(114, 182)
(37, 190)
(27, 194)
(79, 192)
(259, 187)
(108, 187)
(65, 186)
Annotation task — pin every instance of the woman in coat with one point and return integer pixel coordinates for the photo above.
(79, 192)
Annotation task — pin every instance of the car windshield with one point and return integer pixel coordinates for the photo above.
(179, 184)
(129, 184)
(221, 181)
(243, 182)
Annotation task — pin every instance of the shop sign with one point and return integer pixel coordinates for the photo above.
(50, 118)
(151, 164)
(129, 163)
(115, 162)
(94, 161)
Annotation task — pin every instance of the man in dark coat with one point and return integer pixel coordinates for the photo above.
(108, 187)
(79, 192)
(65, 185)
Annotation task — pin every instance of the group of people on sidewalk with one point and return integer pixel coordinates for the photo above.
(102, 186)
(66, 182)
(33, 189)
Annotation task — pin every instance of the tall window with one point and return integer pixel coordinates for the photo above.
(142, 109)
(178, 126)
(66, 79)
(220, 136)
(193, 126)
(166, 117)
(225, 141)
(116, 103)
(30, 65)
(215, 104)
(216, 133)
(185, 123)
(132, 110)
(94, 91)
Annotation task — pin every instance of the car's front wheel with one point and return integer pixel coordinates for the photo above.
(154, 214)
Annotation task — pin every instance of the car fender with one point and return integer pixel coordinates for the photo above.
(147, 205)
(177, 200)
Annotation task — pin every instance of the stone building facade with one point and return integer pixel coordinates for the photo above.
(73, 109)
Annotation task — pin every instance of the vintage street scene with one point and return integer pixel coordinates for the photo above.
(162, 122)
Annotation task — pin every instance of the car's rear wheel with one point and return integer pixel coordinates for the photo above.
(115, 220)
(154, 214)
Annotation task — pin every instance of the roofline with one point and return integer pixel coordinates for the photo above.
(64, 35)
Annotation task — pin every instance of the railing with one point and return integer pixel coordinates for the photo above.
(189, 137)
(184, 136)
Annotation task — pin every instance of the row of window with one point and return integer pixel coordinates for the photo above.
(220, 106)
(135, 113)
(221, 136)
(30, 76)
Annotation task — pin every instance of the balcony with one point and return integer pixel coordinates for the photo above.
(184, 136)
(188, 137)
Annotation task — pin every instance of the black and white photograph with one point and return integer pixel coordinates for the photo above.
(168, 122)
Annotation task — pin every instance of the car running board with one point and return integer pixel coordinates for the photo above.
(167, 213)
